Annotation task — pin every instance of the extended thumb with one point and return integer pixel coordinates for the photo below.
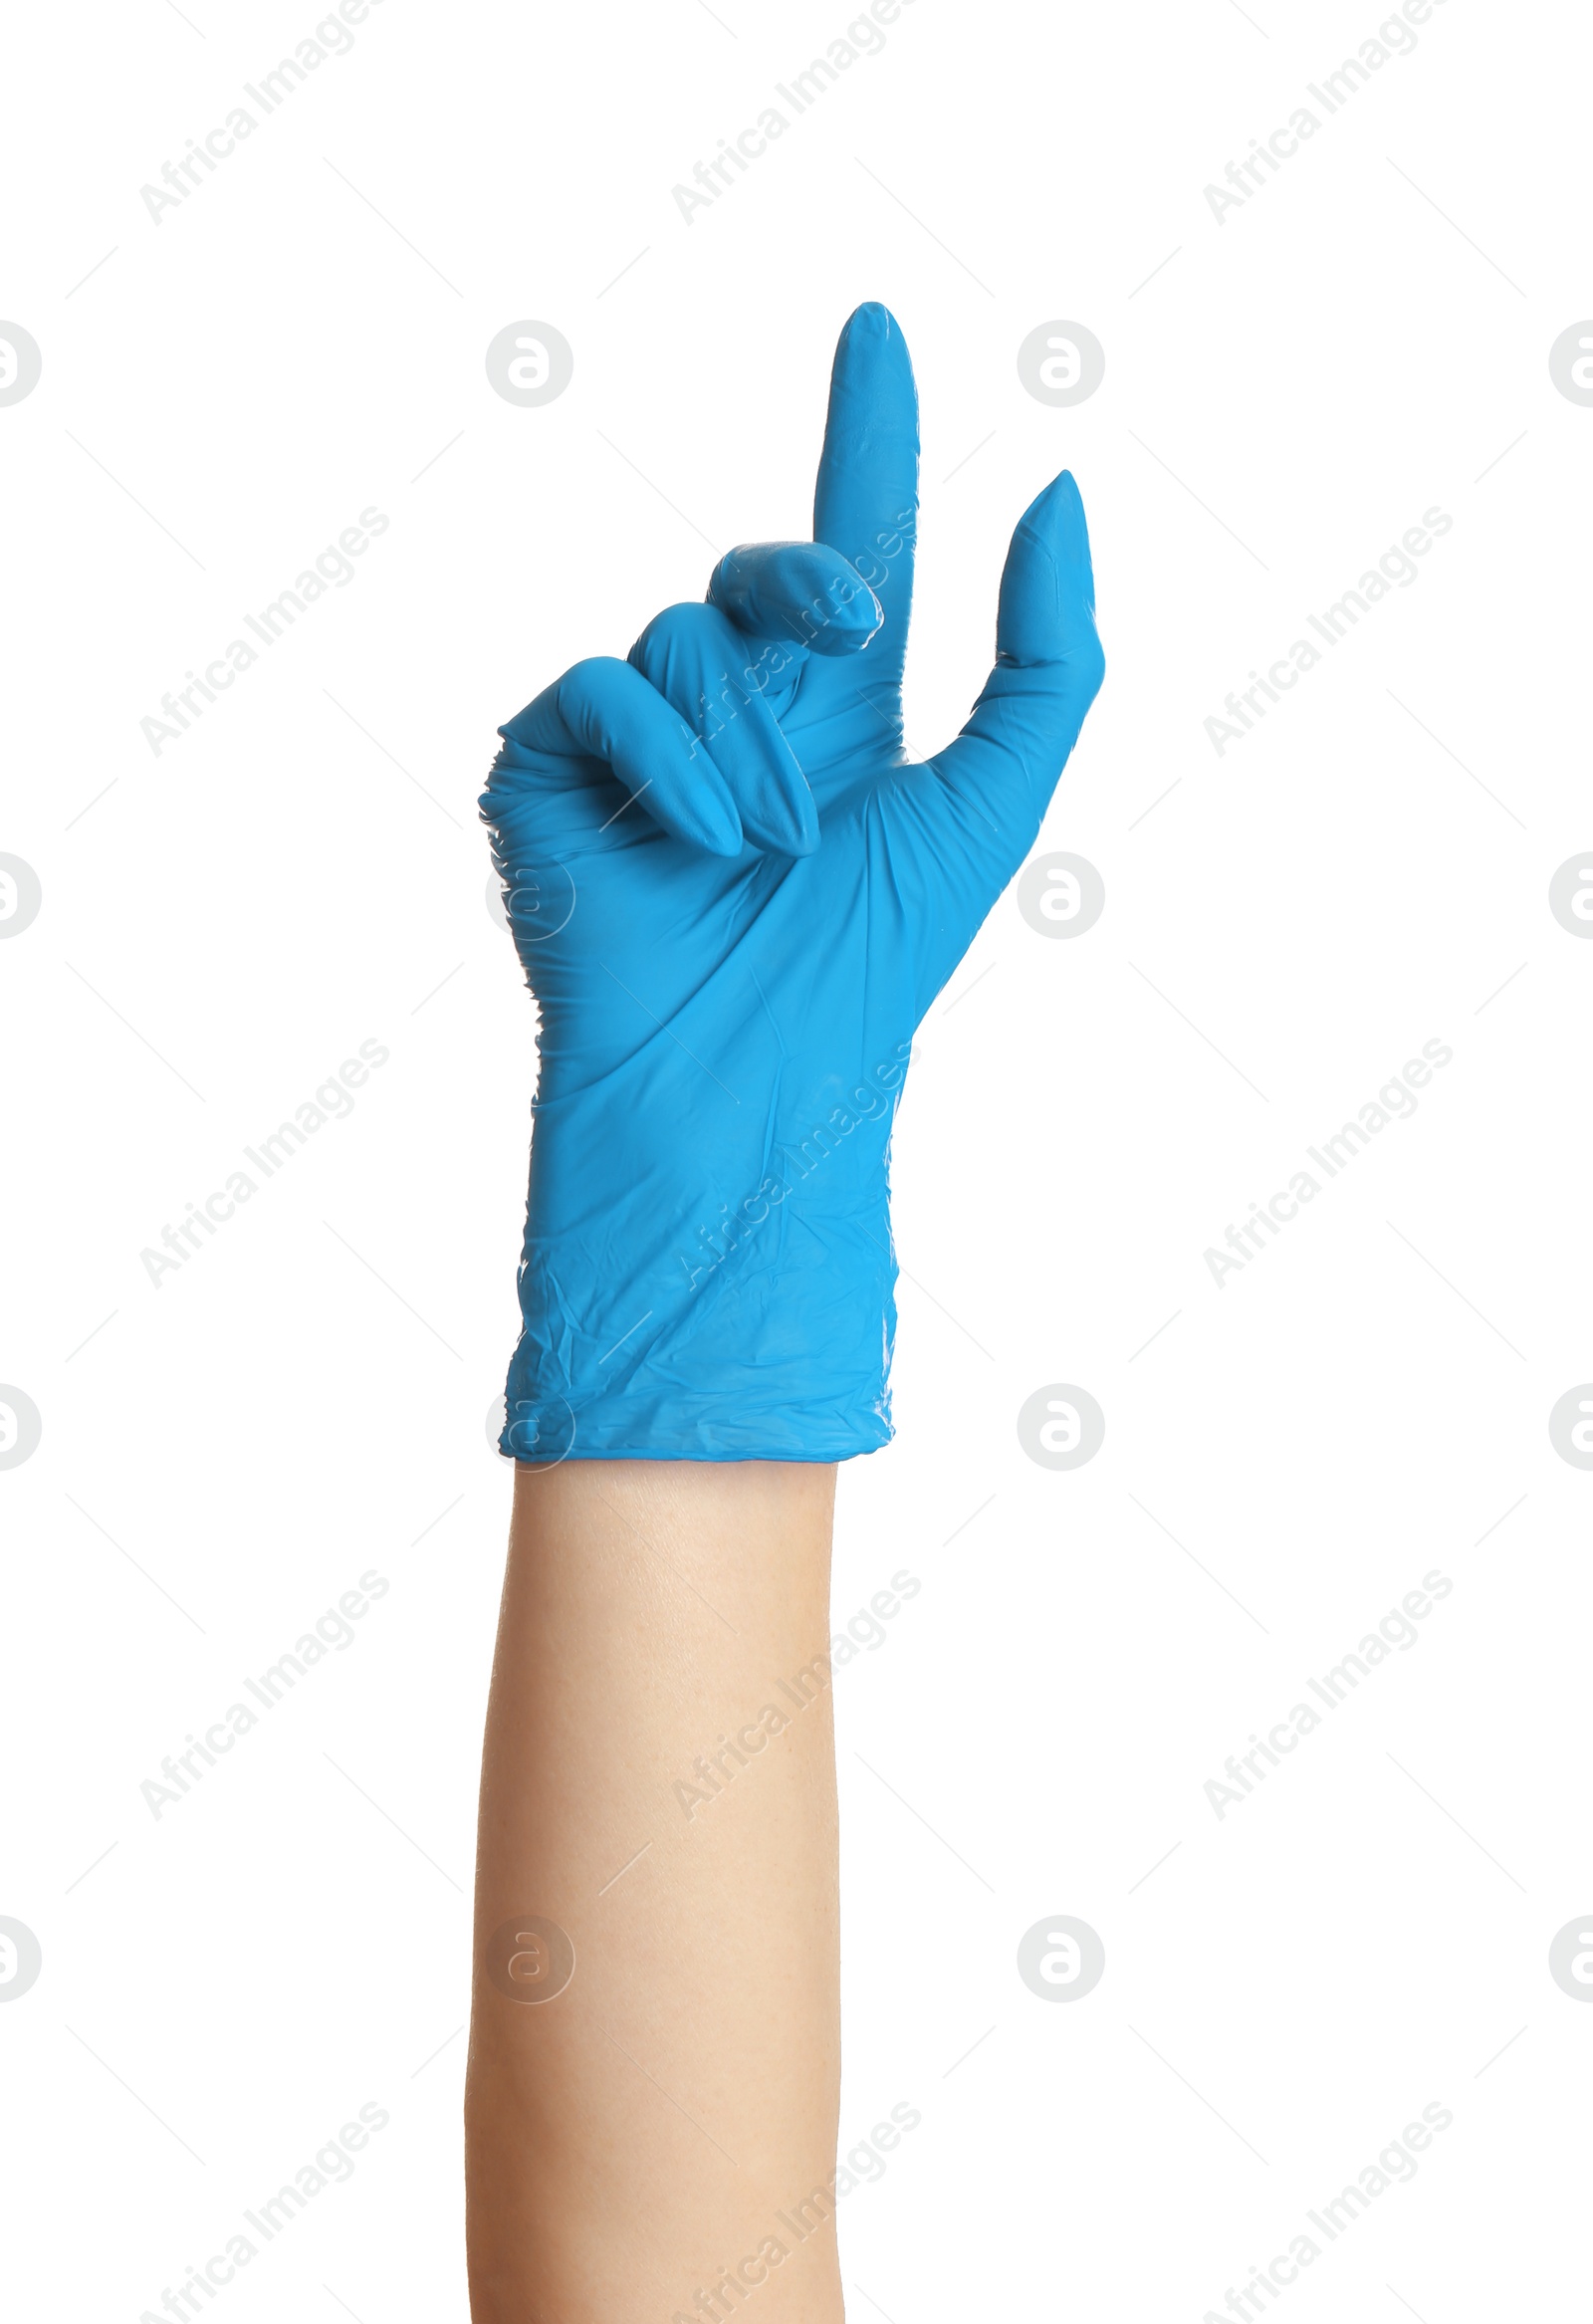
(1047, 611)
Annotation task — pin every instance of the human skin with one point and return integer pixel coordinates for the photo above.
(639, 2134)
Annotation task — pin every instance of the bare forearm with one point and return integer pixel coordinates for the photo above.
(658, 1783)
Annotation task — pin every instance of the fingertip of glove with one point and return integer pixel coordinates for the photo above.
(1045, 611)
(871, 356)
(800, 835)
(872, 320)
(1057, 518)
(691, 798)
(718, 830)
(847, 627)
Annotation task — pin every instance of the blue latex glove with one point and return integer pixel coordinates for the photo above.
(735, 897)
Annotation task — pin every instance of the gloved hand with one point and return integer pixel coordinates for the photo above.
(735, 898)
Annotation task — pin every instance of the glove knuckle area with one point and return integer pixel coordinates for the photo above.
(690, 654)
(595, 705)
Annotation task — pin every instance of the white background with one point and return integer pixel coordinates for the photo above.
(306, 1399)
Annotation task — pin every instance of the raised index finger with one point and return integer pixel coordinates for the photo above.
(866, 503)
